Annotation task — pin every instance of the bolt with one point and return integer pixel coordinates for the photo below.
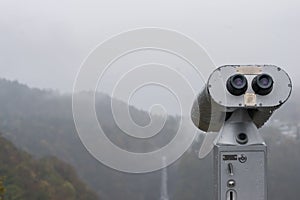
(231, 183)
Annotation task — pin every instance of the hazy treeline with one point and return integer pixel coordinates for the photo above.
(41, 123)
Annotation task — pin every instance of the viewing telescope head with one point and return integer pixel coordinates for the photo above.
(259, 89)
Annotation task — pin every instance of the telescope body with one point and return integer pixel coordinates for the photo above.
(236, 101)
(215, 103)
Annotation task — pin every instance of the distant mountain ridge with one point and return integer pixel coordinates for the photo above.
(41, 123)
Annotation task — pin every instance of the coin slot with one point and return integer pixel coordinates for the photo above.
(231, 195)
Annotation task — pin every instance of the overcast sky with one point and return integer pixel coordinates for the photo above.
(43, 42)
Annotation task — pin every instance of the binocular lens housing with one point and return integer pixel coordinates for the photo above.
(262, 84)
(237, 84)
(259, 89)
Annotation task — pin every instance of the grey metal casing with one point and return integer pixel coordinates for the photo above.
(215, 102)
(217, 86)
(249, 176)
(240, 153)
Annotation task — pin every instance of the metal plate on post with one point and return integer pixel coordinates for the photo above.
(246, 175)
(249, 70)
(250, 99)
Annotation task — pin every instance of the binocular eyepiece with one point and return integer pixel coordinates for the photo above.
(262, 84)
(237, 84)
(259, 89)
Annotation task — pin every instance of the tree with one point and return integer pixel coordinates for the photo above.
(2, 189)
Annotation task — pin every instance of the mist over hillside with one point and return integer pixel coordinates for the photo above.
(23, 177)
(41, 123)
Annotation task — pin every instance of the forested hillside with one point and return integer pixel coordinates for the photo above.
(40, 122)
(23, 177)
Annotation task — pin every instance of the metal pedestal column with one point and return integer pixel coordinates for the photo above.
(240, 160)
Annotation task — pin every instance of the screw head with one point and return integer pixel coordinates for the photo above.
(231, 183)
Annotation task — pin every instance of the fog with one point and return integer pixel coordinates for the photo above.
(43, 43)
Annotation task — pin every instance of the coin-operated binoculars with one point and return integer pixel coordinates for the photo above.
(236, 102)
